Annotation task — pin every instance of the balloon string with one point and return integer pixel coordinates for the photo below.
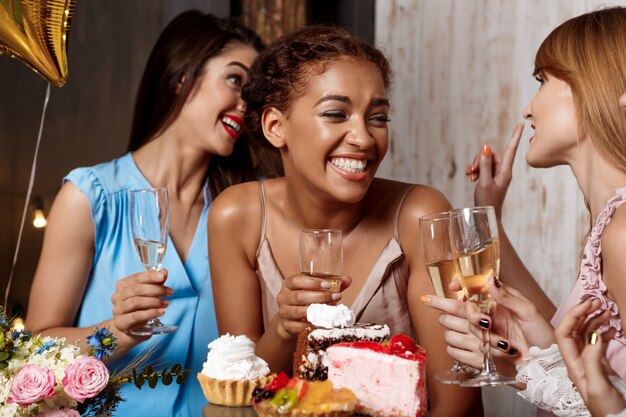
(28, 193)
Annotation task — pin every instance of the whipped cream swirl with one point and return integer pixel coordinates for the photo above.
(329, 317)
(233, 358)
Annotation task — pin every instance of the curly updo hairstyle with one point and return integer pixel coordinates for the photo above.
(280, 73)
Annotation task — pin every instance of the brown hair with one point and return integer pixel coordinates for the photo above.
(589, 53)
(180, 53)
(280, 73)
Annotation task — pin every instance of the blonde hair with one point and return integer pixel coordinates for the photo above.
(589, 53)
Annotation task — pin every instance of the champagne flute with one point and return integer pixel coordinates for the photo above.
(149, 223)
(476, 252)
(321, 255)
(435, 242)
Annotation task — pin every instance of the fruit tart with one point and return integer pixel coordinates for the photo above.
(295, 397)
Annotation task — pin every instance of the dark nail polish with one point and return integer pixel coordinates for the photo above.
(484, 323)
(503, 345)
(496, 282)
(513, 351)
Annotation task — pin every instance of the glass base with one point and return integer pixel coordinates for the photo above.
(152, 327)
(455, 377)
(488, 380)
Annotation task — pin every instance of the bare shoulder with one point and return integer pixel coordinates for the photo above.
(419, 199)
(236, 203)
(614, 235)
(235, 216)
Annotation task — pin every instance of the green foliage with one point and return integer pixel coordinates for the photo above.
(152, 377)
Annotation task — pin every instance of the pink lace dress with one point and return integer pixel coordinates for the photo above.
(590, 285)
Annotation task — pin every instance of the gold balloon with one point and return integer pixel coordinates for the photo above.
(36, 31)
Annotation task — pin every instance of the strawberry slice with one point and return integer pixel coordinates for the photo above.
(277, 383)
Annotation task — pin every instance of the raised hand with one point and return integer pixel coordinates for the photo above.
(516, 323)
(137, 298)
(584, 351)
(297, 292)
(494, 173)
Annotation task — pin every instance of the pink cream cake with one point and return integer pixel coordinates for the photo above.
(373, 372)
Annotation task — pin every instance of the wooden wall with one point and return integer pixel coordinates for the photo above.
(462, 78)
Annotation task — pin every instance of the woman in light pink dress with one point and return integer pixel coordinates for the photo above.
(577, 121)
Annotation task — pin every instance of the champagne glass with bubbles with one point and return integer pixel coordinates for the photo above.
(149, 223)
(321, 255)
(435, 243)
(476, 252)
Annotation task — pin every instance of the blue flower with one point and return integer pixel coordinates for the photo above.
(102, 343)
(46, 346)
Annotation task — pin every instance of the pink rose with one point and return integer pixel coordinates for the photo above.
(66, 412)
(85, 378)
(31, 384)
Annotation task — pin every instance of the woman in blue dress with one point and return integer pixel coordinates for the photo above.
(187, 122)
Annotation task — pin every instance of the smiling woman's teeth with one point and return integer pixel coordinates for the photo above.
(353, 165)
(231, 123)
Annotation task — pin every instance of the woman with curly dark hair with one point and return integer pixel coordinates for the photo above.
(320, 96)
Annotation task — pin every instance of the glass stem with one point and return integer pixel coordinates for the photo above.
(489, 368)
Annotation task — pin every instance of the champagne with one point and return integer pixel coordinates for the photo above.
(334, 280)
(475, 268)
(151, 253)
(442, 273)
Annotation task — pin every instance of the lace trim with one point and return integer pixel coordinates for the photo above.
(547, 383)
(590, 269)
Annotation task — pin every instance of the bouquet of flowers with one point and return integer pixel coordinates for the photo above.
(47, 377)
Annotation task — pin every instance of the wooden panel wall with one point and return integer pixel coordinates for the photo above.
(88, 119)
(462, 78)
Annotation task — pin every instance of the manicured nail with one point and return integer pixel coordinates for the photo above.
(473, 177)
(592, 337)
(169, 291)
(496, 282)
(165, 303)
(326, 285)
(486, 151)
(425, 299)
(336, 296)
(513, 351)
(161, 311)
(503, 345)
(160, 276)
(484, 323)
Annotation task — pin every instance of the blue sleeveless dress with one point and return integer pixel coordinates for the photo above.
(191, 305)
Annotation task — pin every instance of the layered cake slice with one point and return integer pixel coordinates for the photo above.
(329, 325)
(388, 379)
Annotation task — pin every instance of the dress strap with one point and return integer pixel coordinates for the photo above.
(396, 233)
(263, 211)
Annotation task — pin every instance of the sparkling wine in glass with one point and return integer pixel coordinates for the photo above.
(149, 223)
(435, 243)
(321, 255)
(476, 253)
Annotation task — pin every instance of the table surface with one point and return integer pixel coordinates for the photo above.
(211, 410)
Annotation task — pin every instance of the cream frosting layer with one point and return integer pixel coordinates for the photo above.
(329, 316)
(233, 358)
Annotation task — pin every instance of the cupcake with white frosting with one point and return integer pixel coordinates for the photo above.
(232, 371)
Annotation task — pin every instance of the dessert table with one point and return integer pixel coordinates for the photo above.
(211, 410)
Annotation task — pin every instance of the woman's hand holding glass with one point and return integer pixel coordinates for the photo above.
(138, 298)
(476, 251)
(319, 281)
(149, 224)
(435, 244)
